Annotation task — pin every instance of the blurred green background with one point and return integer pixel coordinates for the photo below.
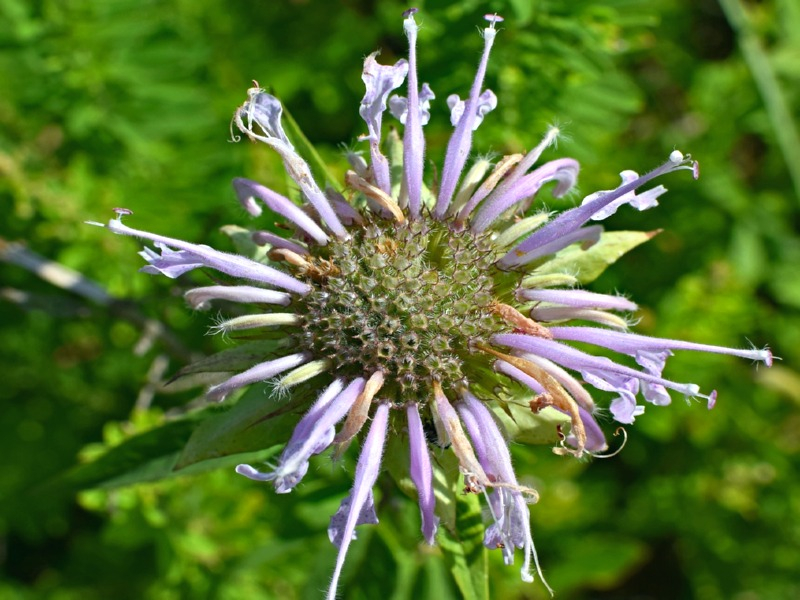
(107, 103)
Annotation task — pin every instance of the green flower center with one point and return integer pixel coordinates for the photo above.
(405, 299)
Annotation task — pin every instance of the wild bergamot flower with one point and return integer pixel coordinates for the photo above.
(419, 308)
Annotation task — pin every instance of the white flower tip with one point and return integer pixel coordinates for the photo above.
(712, 399)
(696, 170)
(526, 576)
(254, 474)
(766, 356)
(255, 90)
(676, 157)
(121, 212)
(409, 24)
(493, 19)
(246, 470)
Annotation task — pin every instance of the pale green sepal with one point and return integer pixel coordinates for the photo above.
(260, 320)
(304, 373)
(548, 280)
(587, 265)
(520, 228)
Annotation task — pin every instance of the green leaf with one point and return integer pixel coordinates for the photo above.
(258, 421)
(241, 357)
(146, 453)
(461, 527)
(163, 467)
(463, 547)
(396, 462)
(587, 265)
(525, 426)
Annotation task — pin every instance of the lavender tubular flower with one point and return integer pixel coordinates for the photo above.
(422, 473)
(399, 303)
(469, 116)
(361, 496)
(379, 80)
(247, 190)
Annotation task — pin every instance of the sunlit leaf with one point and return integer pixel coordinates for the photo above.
(463, 547)
(587, 265)
(525, 426)
(258, 421)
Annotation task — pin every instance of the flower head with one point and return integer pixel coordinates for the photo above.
(421, 309)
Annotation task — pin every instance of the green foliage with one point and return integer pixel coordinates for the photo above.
(126, 103)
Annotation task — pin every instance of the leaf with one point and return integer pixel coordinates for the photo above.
(258, 421)
(587, 265)
(525, 426)
(446, 478)
(136, 453)
(463, 547)
(241, 357)
(396, 462)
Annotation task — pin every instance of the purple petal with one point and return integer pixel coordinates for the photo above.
(312, 435)
(515, 373)
(265, 111)
(248, 190)
(595, 439)
(460, 143)
(571, 220)
(578, 299)
(260, 372)
(562, 170)
(633, 344)
(262, 238)
(643, 201)
(624, 407)
(379, 81)
(398, 105)
(576, 360)
(487, 102)
(171, 263)
(421, 473)
(549, 314)
(196, 256)
(624, 410)
(511, 528)
(338, 523)
(413, 140)
(369, 463)
(511, 179)
(492, 447)
(346, 212)
(584, 234)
